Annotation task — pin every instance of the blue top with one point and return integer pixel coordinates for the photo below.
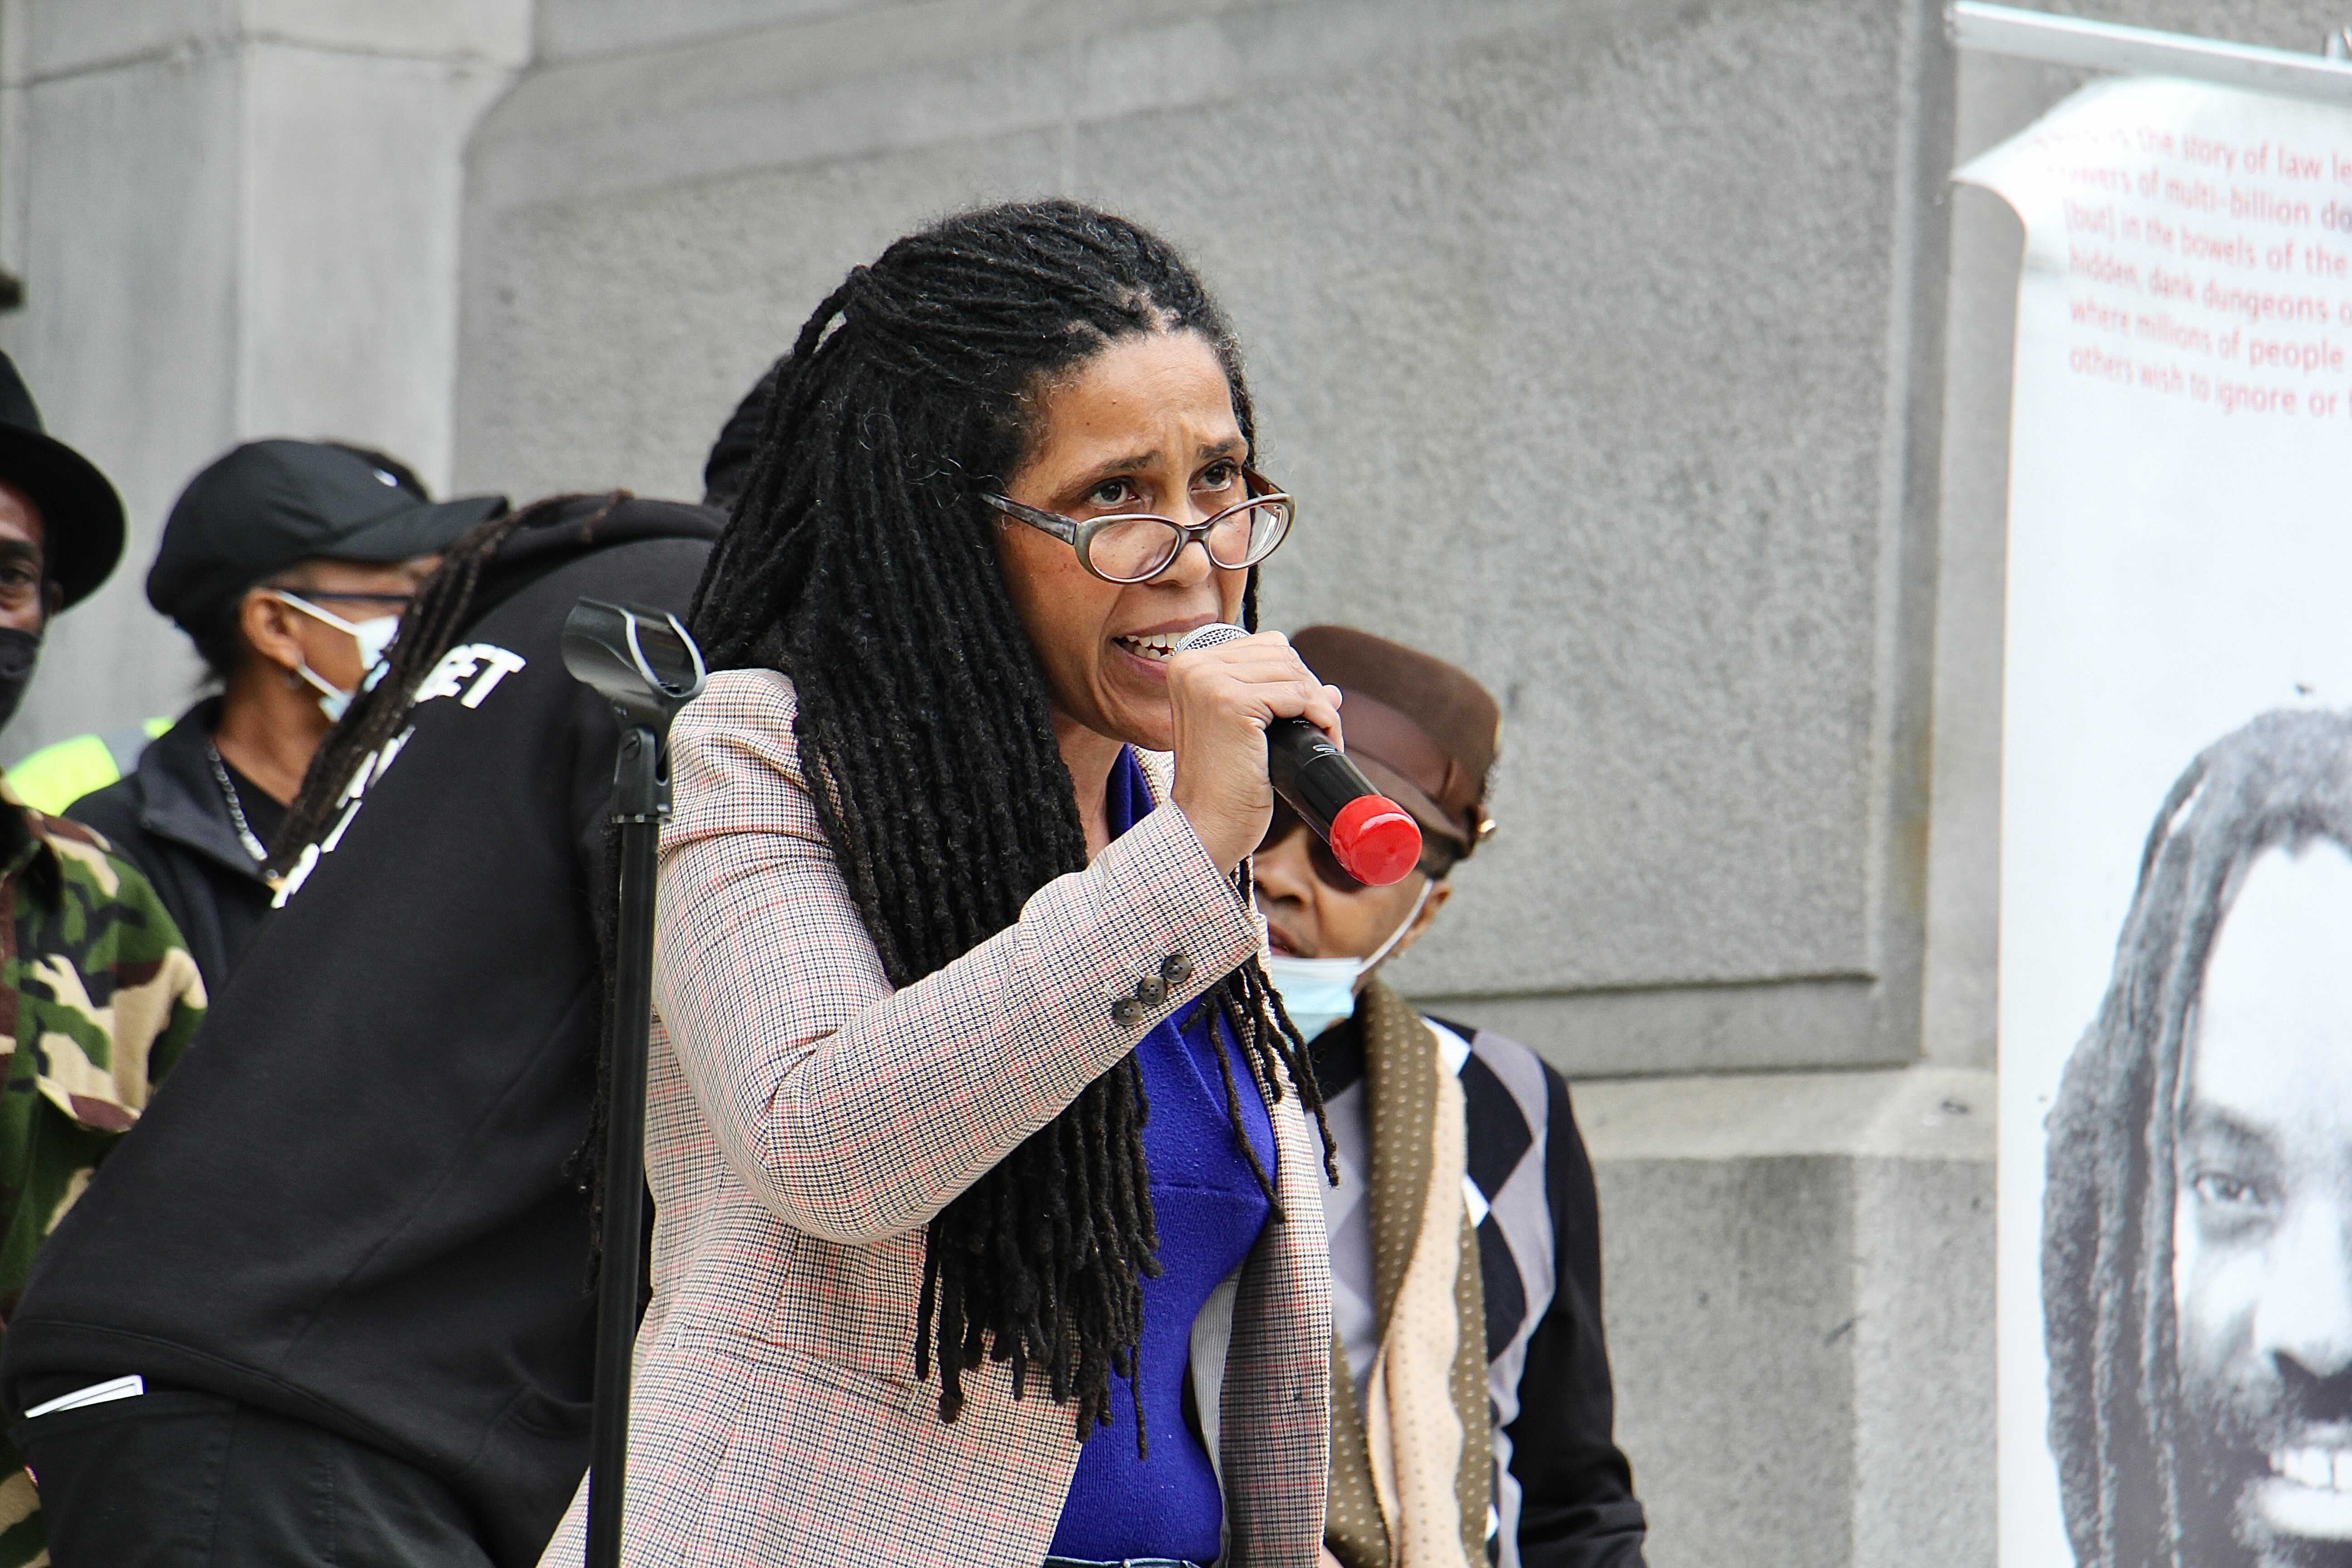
(1210, 1210)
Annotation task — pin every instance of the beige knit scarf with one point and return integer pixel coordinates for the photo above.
(1411, 1470)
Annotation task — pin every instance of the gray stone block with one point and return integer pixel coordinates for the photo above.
(1924, 1417)
(1710, 1028)
(354, 162)
(230, 222)
(64, 35)
(1728, 1329)
(1799, 1295)
(128, 249)
(568, 29)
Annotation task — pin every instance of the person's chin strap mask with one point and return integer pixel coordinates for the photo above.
(372, 635)
(20, 652)
(1318, 992)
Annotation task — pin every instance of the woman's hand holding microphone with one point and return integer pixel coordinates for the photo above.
(1225, 695)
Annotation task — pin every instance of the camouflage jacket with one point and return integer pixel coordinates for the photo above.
(98, 998)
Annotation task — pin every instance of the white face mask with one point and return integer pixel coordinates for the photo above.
(372, 636)
(1318, 992)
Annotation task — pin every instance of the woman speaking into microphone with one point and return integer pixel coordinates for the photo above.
(988, 1230)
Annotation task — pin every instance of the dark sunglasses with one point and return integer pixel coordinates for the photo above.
(1434, 859)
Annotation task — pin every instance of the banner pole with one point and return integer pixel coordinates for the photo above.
(2143, 51)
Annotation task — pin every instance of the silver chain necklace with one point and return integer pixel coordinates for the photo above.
(253, 846)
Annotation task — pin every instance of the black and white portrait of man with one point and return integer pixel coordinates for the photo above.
(2197, 1230)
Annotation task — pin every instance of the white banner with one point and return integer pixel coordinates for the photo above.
(2175, 1296)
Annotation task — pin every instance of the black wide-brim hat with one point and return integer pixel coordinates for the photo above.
(82, 515)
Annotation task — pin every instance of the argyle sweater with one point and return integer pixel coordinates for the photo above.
(1563, 1493)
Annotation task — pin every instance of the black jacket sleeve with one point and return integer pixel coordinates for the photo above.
(1577, 1507)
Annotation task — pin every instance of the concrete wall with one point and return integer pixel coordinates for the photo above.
(1591, 339)
(1800, 1303)
(233, 219)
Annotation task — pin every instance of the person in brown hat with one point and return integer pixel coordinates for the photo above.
(1472, 1409)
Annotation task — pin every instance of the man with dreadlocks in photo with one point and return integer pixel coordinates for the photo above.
(938, 920)
(335, 1309)
(2197, 1234)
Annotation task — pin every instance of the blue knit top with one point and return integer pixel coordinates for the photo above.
(1209, 1210)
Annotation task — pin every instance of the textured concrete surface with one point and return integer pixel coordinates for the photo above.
(118, 185)
(1925, 1432)
(569, 30)
(1798, 1292)
(1702, 1028)
(47, 39)
(231, 220)
(1585, 335)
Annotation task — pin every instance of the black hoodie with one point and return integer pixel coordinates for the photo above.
(349, 1207)
(168, 817)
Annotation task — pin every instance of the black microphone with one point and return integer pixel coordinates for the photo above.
(1375, 840)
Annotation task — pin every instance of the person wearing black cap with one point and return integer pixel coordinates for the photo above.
(100, 995)
(52, 778)
(1471, 1405)
(288, 565)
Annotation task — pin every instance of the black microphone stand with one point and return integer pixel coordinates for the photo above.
(643, 662)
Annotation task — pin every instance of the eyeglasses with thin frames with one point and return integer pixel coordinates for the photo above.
(1135, 547)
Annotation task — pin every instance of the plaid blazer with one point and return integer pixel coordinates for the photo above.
(806, 1122)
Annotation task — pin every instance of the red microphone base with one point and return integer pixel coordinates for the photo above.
(1375, 840)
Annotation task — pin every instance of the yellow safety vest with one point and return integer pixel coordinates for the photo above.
(58, 774)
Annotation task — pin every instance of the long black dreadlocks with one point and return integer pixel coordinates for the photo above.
(2131, 1496)
(442, 608)
(860, 563)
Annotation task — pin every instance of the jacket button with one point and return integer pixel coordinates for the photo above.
(1175, 969)
(1150, 991)
(1127, 1011)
